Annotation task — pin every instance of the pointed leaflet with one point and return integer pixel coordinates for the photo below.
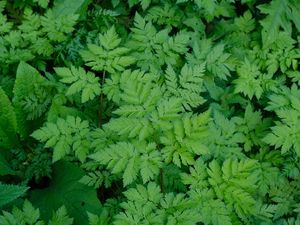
(109, 55)
(279, 14)
(30, 215)
(60, 217)
(67, 7)
(215, 212)
(249, 80)
(27, 215)
(8, 122)
(8, 193)
(28, 82)
(65, 136)
(186, 139)
(284, 134)
(236, 183)
(5, 167)
(147, 205)
(82, 82)
(130, 160)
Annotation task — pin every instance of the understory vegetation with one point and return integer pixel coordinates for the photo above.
(139, 112)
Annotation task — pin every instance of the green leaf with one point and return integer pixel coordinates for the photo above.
(67, 7)
(42, 3)
(130, 160)
(283, 134)
(249, 82)
(27, 215)
(64, 189)
(279, 15)
(150, 55)
(8, 122)
(5, 168)
(65, 136)
(236, 183)
(58, 27)
(60, 217)
(29, 82)
(9, 192)
(185, 139)
(215, 212)
(109, 55)
(82, 82)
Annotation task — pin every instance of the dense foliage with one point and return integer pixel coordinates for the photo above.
(171, 112)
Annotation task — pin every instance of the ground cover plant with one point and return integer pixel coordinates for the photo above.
(135, 112)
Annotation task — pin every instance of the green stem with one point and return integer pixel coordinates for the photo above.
(161, 178)
(101, 102)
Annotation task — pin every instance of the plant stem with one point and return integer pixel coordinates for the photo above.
(161, 177)
(101, 102)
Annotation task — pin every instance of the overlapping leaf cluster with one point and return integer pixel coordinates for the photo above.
(150, 112)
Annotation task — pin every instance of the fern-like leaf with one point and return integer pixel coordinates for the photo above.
(130, 160)
(109, 56)
(65, 136)
(82, 82)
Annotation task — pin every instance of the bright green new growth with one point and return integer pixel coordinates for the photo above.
(171, 112)
(148, 205)
(133, 160)
(109, 55)
(80, 81)
(155, 48)
(65, 136)
(188, 85)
